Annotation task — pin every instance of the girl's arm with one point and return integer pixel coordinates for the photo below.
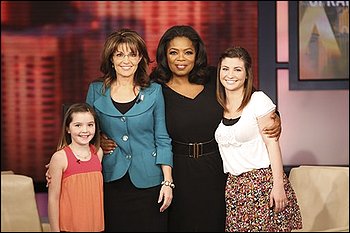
(278, 197)
(58, 164)
(100, 154)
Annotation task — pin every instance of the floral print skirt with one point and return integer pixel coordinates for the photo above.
(247, 204)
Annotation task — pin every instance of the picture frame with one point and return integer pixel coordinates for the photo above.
(337, 80)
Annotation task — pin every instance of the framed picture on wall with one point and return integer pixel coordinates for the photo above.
(318, 45)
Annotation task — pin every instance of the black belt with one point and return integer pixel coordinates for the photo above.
(195, 149)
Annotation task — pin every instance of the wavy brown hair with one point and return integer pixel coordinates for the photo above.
(137, 45)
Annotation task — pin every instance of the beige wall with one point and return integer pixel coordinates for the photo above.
(315, 125)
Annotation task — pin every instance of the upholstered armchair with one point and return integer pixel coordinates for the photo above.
(19, 212)
(323, 197)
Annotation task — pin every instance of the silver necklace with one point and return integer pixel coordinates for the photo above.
(80, 156)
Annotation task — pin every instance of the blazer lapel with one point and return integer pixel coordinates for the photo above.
(144, 101)
(142, 104)
(105, 105)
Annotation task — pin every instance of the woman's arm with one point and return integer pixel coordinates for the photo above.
(275, 129)
(166, 191)
(107, 144)
(164, 152)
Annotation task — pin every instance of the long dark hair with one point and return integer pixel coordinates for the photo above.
(242, 54)
(162, 73)
(65, 138)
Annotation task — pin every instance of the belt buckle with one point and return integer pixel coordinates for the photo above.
(197, 150)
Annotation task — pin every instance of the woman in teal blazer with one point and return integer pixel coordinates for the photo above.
(141, 136)
(138, 173)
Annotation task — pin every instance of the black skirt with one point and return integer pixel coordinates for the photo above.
(199, 196)
(131, 209)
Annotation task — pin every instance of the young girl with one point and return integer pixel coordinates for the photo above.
(75, 196)
(258, 194)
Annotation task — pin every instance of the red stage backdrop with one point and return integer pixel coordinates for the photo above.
(50, 52)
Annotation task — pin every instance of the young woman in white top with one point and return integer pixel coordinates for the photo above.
(258, 194)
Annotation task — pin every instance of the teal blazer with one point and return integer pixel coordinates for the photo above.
(141, 135)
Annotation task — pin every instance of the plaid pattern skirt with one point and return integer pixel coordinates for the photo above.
(247, 204)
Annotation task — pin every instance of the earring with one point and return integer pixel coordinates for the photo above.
(112, 65)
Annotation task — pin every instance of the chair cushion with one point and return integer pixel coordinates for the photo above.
(323, 196)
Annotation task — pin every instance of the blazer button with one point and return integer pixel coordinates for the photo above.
(125, 138)
(123, 119)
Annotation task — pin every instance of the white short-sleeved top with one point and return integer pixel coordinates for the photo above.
(241, 145)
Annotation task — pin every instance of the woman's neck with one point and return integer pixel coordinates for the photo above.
(124, 90)
(179, 80)
(233, 100)
(124, 82)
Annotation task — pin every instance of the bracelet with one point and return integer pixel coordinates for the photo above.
(168, 183)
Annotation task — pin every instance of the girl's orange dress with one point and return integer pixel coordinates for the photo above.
(81, 200)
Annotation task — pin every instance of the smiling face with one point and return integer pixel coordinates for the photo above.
(82, 128)
(125, 61)
(181, 56)
(232, 74)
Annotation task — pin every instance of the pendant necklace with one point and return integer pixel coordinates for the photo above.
(79, 157)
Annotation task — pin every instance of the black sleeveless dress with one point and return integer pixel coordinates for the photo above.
(198, 203)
